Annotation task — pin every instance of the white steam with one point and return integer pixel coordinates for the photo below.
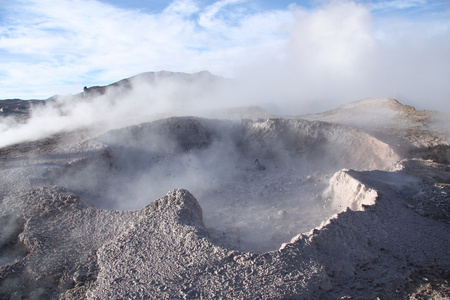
(144, 98)
(341, 53)
(258, 182)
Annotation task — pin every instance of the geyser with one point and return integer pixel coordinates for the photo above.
(259, 183)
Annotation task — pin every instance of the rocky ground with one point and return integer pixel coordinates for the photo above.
(312, 207)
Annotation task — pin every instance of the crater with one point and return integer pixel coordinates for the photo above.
(259, 182)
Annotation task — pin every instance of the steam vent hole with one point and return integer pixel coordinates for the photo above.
(259, 183)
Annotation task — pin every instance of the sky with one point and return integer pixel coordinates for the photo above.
(316, 53)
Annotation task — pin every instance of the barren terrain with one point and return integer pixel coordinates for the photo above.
(352, 203)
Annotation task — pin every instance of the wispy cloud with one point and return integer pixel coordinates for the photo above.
(339, 50)
(398, 4)
(89, 35)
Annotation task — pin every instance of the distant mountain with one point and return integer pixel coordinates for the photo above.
(153, 78)
(16, 107)
(366, 110)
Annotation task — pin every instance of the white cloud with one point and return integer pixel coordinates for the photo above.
(398, 4)
(339, 50)
(208, 17)
(88, 35)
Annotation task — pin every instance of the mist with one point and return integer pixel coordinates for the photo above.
(259, 183)
(142, 98)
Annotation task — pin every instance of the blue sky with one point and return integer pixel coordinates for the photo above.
(323, 50)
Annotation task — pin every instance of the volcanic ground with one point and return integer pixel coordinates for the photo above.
(351, 203)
